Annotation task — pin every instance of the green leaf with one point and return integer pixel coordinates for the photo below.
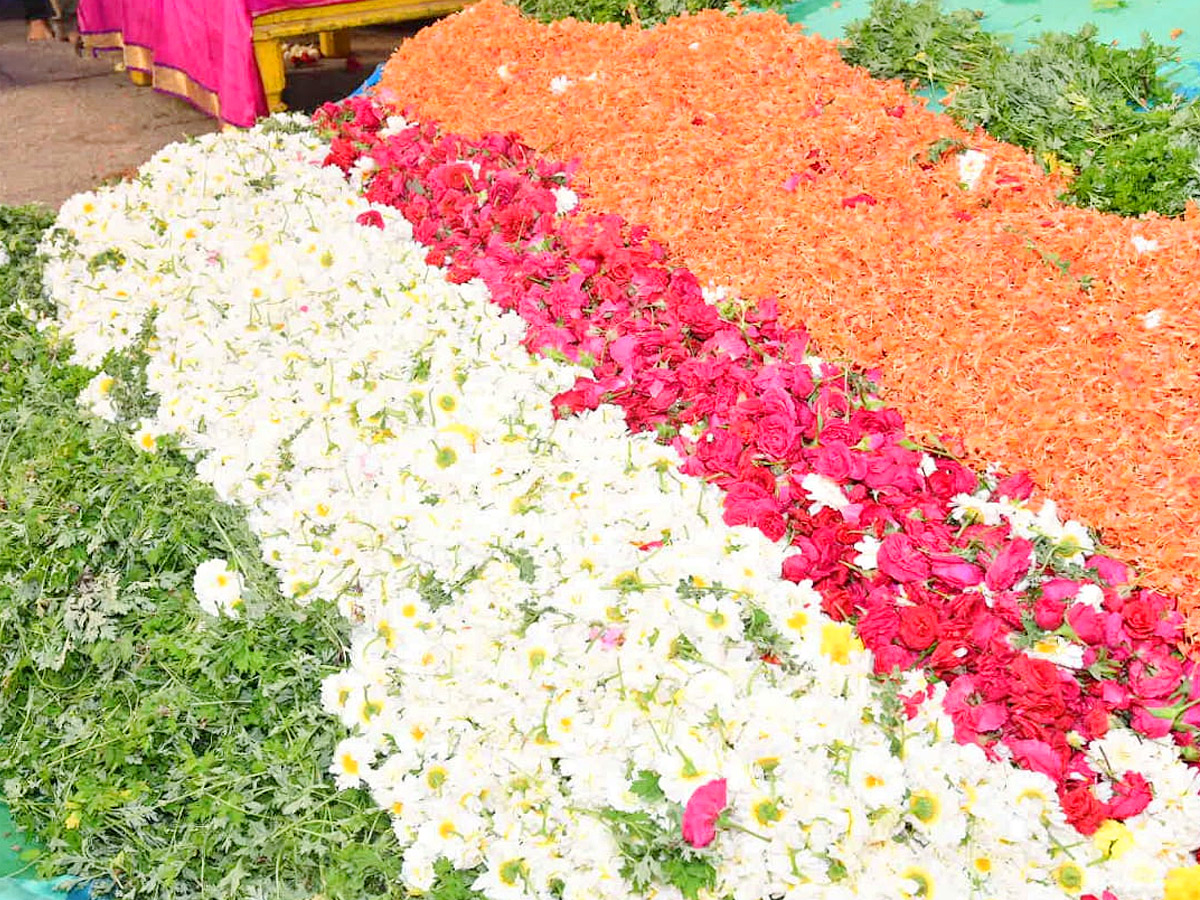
(646, 786)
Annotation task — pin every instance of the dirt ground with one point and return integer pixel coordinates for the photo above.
(69, 122)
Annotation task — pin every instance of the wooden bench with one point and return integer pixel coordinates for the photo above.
(330, 23)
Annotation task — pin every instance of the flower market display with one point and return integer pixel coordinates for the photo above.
(1055, 339)
(627, 588)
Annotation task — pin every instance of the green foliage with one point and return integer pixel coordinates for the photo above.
(172, 754)
(1137, 175)
(1110, 115)
(916, 40)
(650, 842)
(625, 12)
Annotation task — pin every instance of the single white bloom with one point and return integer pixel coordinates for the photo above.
(1091, 595)
(144, 439)
(565, 200)
(4, 257)
(559, 84)
(351, 759)
(1143, 245)
(928, 465)
(868, 552)
(971, 164)
(1058, 650)
(96, 398)
(218, 589)
(1153, 318)
(823, 492)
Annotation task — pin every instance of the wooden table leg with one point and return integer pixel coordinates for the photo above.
(269, 56)
(335, 44)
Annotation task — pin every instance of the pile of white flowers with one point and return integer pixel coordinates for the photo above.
(544, 610)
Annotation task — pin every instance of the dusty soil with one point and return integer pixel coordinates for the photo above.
(69, 122)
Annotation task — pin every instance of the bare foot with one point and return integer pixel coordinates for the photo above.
(39, 30)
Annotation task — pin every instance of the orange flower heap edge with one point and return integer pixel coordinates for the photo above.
(1011, 327)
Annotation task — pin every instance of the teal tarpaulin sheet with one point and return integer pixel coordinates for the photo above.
(1026, 19)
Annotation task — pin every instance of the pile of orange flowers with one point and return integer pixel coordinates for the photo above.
(1008, 326)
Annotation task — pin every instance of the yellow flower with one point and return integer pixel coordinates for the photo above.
(1112, 839)
(259, 255)
(1183, 884)
(837, 640)
(72, 821)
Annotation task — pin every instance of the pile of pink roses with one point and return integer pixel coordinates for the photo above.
(732, 389)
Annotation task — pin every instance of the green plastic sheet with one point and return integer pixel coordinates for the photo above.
(1022, 20)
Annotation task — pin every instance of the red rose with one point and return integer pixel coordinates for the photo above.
(1087, 623)
(747, 503)
(899, 559)
(1140, 619)
(880, 623)
(919, 627)
(1015, 487)
(1037, 676)
(371, 217)
(1094, 724)
(1048, 613)
(1131, 795)
(1083, 810)
(951, 478)
(1010, 565)
(954, 571)
(777, 437)
(891, 657)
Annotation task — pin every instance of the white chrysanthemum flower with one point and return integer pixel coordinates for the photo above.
(96, 397)
(4, 255)
(824, 492)
(218, 588)
(1058, 650)
(1143, 245)
(971, 165)
(565, 200)
(352, 758)
(868, 552)
(144, 439)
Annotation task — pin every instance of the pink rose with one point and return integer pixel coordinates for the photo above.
(1015, 487)
(1048, 613)
(1145, 722)
(700, 814)
(777, 436)
(1060, 588)
(1110, 570)
(1131, 795)
(1087, 622)
(954, 571)
(899, 559)
(1010, 565)
(1037, 756)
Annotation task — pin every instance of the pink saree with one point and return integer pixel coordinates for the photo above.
(200, 50)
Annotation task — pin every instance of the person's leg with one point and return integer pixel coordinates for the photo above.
(38, 14)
